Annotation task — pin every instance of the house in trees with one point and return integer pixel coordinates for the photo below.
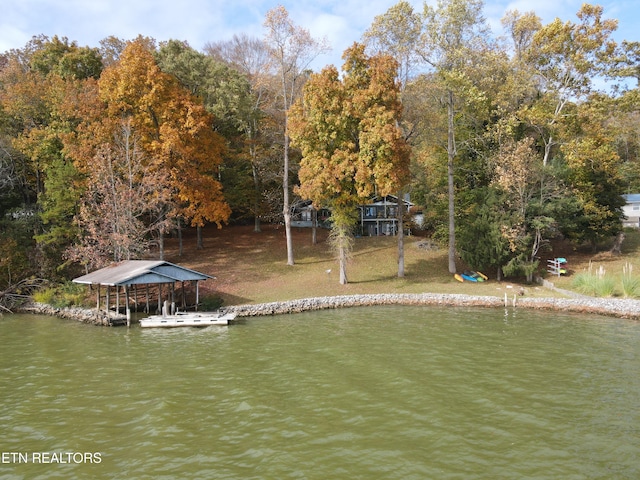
(376, 218)
(380, 216)
(302, 215)
(631, 210)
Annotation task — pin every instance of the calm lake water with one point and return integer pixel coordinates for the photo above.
(363, 393)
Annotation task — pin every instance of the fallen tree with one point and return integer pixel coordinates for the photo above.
(18, 293)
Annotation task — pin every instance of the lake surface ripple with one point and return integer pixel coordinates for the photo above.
(360, 393)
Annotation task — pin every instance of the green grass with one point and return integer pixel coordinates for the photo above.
(251, 268)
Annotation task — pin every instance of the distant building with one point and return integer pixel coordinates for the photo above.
(631, 210)
(376, 218)
(302, 213)
(380, 216)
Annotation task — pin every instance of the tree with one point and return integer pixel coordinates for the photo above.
(226, 94)
(453, 31)
(291, 49)
(567, 57)
(624, 118)
(594, 172)
(45, 87)
(518, 174)
(66, 59)
(397, 33)
(121, 204)
(567, 121)
(480, 235)
(348, 132)
(250, 57)
(174, 130)
(16, 221)
(522, 28)
(110, 49)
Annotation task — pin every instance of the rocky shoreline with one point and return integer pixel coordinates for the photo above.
(83, 315)
(622, 308)
(614, 307)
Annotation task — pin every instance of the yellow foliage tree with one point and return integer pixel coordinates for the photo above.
(351, 144)
(175, 132)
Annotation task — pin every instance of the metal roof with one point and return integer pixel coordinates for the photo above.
(136, 272)
(632, 198)
(387, 200)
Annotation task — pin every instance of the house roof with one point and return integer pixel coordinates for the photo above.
(136, 272)
(632, 197)
(387, 200)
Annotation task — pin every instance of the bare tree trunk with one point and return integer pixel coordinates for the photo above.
(199, 235)
(341, 243)
(342, 257)
(314, 226)
(161, 245)
(617, 245)
(286, 209)
(547, 151)
(256, 185)
(400, 215)
(451, 153)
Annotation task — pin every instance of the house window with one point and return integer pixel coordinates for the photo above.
(369, 212)
(636, 206)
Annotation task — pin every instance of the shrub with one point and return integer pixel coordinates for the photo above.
(61, 296)
(46, 296)
(604, 287)
(583, 283)
(211, 303)
(597, 285)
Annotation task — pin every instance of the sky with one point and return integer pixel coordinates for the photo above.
(341, 22)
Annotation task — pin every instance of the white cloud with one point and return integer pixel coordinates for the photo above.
(200, 21)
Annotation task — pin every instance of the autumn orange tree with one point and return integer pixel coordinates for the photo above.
(175, 134)
(347, 129)
(227, 93)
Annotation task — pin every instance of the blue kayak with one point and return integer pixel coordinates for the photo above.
(473, 276)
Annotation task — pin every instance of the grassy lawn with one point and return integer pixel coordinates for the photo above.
(251, 267)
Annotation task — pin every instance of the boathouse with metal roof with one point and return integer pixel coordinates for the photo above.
(128, 276)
